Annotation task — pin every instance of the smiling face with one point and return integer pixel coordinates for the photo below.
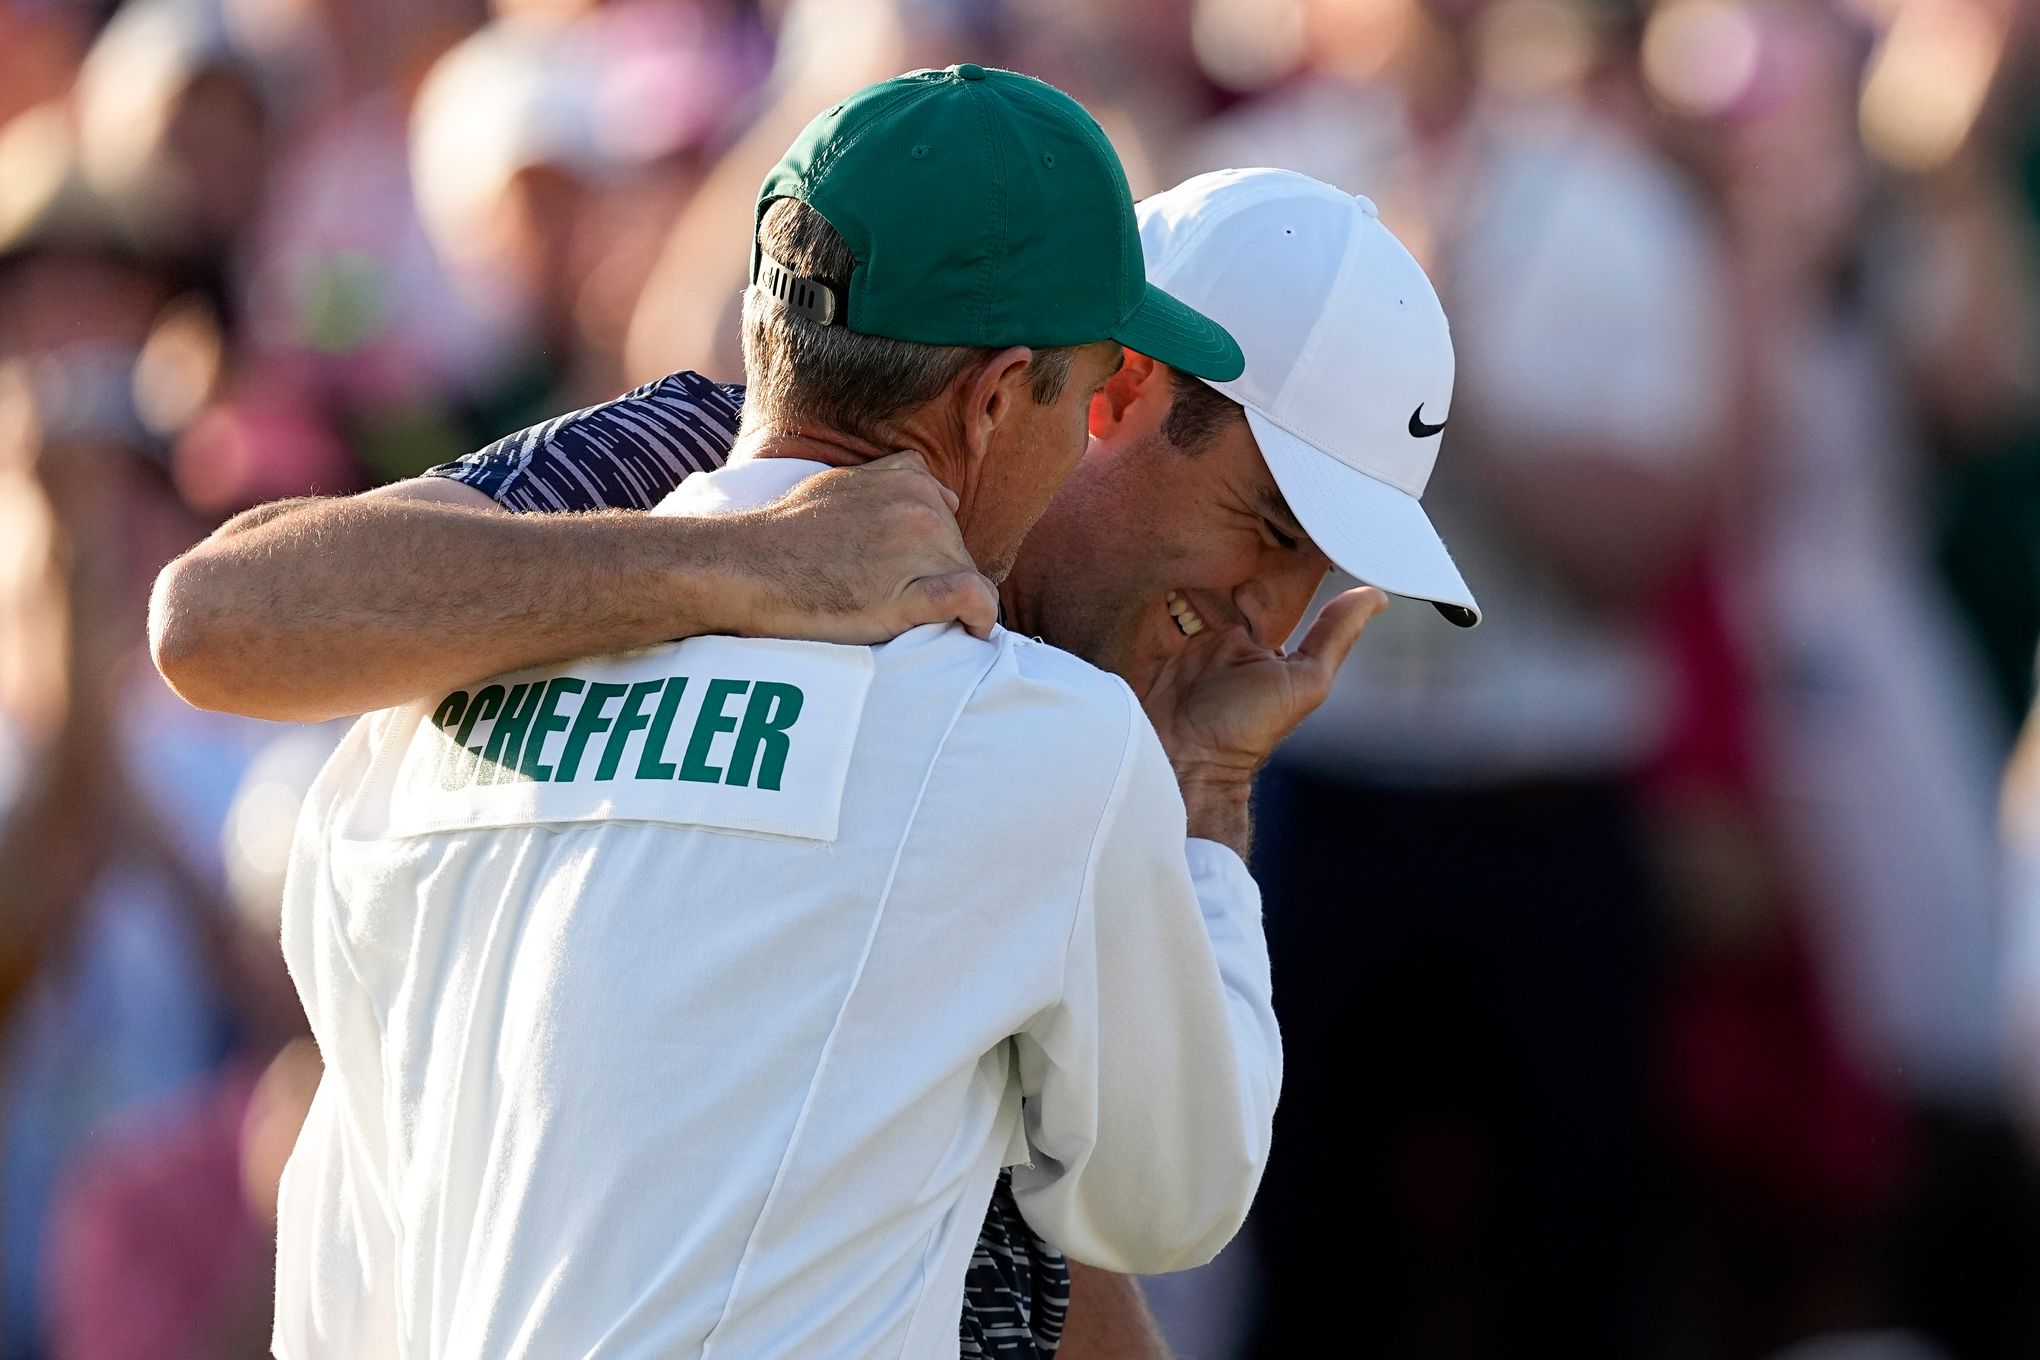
(1150, 542)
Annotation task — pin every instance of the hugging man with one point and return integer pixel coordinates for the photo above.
(1181, 554)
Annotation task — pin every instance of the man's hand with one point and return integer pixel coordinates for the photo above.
(1224, 703)
(319, 608)
(862, 554)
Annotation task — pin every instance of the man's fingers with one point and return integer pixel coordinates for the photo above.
(1338, 627)
(961, 595)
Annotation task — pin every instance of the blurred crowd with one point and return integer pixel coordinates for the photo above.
(1659, 963)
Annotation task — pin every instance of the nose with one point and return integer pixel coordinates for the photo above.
(1272, 600)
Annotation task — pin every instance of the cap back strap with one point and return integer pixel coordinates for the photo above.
(817, 300)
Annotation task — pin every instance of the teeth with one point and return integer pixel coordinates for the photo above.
(1185, 617)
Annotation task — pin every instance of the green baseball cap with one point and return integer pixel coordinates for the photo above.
(984, 208)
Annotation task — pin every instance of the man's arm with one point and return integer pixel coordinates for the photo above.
(1152, 1087)
(1151, 1084)
(1109, 1319)
(314, 609)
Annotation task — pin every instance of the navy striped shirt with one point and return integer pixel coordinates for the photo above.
(628, 454)
(624, 454)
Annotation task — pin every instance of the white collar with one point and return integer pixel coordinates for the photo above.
(742, 485)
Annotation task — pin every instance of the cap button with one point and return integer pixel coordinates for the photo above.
(968, 70)
(1367, 206)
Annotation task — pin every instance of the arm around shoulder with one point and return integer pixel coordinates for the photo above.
(318, 608)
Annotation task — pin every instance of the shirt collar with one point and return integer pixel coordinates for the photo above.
(743, 485)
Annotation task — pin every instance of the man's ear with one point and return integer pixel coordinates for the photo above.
(1123, 399)
(991, 393)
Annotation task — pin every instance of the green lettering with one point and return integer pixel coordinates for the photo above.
(712, 720)
(443, 719)
(548, 721)
(772, 710)
(629, 720)
(488, 702)
(449, 710)
(649, 765)
(587, 723)
(506, 738)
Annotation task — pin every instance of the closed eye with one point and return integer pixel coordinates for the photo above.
(1287, 542)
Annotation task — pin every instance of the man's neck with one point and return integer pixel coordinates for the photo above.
(817, 446)
(837, 449)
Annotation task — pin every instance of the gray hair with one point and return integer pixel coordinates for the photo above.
(803, 375)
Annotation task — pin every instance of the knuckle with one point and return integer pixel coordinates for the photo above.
(943, 590)
(958, 592)
(920, 519)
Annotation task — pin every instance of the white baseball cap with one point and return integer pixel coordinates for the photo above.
(1349, 361)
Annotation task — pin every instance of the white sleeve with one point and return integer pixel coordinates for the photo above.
(1150, 1087)
(336, 1257)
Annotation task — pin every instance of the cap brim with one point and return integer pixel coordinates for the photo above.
(1180, 336)
(1375, 533)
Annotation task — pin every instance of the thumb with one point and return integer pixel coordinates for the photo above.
(901, 458)
(911, 460)
(1338, 627)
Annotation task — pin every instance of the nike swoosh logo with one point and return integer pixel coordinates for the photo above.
(1418, 429)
